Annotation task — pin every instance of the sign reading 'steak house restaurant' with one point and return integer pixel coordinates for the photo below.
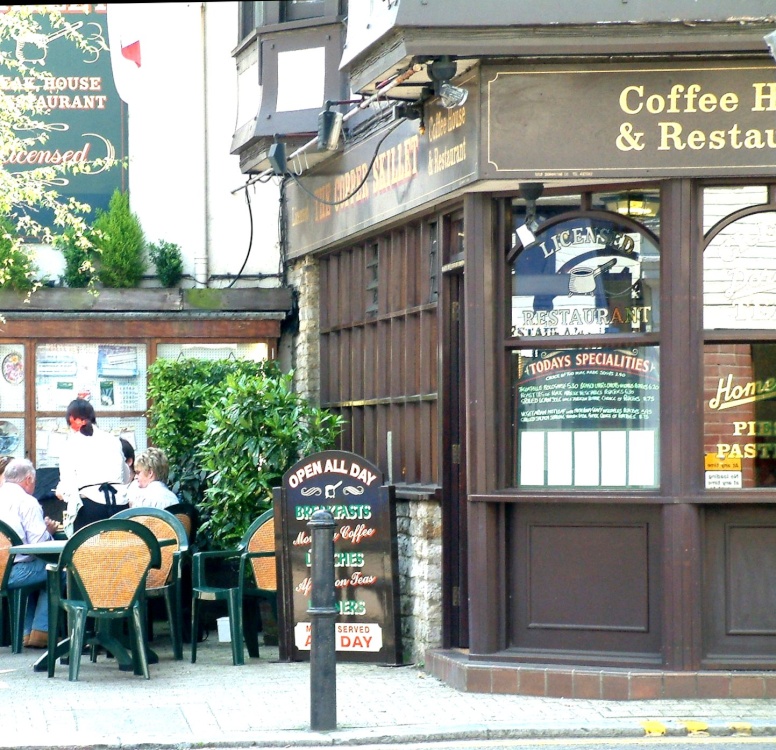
(629, 121)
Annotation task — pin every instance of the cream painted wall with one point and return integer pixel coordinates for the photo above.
(182, 104)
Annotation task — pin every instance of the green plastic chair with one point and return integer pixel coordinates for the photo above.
(256, 577)
(16, 597)
(166, 581)
(107, 563)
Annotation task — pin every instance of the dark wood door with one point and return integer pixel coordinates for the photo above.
(454, 516)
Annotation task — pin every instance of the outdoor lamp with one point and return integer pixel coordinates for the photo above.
(277, 158)
(770, 40)
(440, 72)
(329, 128)
(530, 192)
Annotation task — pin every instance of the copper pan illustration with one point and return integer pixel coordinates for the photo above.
(582, 279)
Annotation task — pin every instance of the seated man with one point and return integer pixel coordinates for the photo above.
(149, 488)
(22, 512)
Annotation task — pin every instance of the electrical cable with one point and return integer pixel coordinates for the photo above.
(358, 187)
(250, 240)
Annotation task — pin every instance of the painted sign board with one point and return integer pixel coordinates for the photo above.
(402, 167)
(365, 556)
(84, 119)
(635, 120)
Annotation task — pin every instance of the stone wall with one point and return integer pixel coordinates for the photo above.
(303, 351)
(419, 531)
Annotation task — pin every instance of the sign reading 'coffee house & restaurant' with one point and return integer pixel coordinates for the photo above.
(638, 121)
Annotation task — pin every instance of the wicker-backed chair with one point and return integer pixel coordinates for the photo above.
(256, 577)
(15, 597)
(107, 563)
(166, 581)
(188, 515)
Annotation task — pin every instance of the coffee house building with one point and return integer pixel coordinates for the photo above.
(549, 308)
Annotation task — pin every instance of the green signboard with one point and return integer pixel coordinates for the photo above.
(84, 119)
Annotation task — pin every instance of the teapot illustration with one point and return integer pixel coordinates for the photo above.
(582, 279)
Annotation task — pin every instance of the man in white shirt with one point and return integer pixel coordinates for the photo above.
(22, 512)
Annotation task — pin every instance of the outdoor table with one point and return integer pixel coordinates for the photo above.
(50, 552)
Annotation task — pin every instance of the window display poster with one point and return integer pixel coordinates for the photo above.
(588, 389)
(112, 377)
(588, 417)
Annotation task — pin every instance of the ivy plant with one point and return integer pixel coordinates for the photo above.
(17, 265)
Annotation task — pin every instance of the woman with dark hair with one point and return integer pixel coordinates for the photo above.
(91, 469)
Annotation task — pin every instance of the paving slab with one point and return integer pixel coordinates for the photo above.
(266, 703)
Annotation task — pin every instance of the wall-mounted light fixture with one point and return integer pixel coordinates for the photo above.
(635, 204)
(330, 125)
(770, 40)
(277, 157)
(411, 111)
(440, 71)
(530, 192)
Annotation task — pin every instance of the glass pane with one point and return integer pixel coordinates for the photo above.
(12, 380)
(254, 352)
(112, 377)
(586, 417)
(52, 433)
(740, 415)
(739, 274)
(585, 276)
(12, 437)
(641, 205)
(719, 202)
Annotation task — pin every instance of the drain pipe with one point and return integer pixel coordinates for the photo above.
(201, 264)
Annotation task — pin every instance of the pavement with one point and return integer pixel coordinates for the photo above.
(266, 703)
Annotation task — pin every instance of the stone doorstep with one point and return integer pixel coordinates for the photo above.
(453, 667)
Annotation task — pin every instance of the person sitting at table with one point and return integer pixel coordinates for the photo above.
(149, 488)
(129, 459)
(91, 470)
(4, 461)
(21, 511)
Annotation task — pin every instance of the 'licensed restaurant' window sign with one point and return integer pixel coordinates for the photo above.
(587, 417)
(587, 275)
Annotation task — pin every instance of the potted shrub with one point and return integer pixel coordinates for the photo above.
(168, 261)
(119, 239)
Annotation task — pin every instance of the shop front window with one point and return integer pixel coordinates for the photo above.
(587, 417)
(739, 416)
(590, 274)
(739, 356)
(739, 272)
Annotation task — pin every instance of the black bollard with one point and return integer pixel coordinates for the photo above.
(322, 611)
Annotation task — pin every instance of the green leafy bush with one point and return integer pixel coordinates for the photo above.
(119, 238)
(256, 431)
(166, 257)
(80, 258)
(230, 428)
(17, 264)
